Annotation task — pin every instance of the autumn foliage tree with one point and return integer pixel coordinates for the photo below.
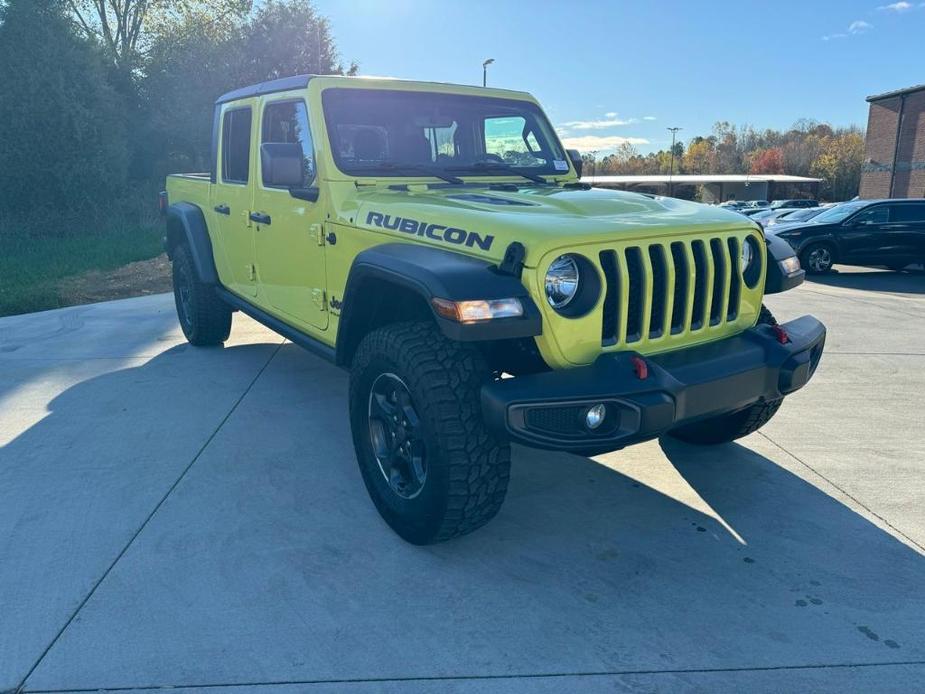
(808, 148)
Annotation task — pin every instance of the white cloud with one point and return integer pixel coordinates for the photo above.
(900, 6)
(597, 143)
(610, 114)
(648, 118)
(858, 26)
(596, 124)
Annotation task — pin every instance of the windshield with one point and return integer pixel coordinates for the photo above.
(840, 213)
(801, 215)
(379, 132)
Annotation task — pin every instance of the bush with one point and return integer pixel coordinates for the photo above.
(64, 150)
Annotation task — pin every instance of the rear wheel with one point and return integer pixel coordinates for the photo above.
(817, 258)
(431, 467)
(734, 425)
(204, 318)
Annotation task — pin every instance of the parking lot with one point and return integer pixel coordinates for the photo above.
(195, 518)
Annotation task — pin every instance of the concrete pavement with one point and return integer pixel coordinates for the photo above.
(194, 518)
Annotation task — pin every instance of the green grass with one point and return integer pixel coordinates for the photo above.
(31, 268)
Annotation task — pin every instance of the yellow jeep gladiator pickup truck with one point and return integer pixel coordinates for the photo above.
(437, 241)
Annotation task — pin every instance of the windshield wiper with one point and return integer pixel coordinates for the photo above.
(498, 166)
(406, 166)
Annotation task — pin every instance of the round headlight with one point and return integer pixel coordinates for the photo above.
(750, 261)
(562, 281)
(745, 258)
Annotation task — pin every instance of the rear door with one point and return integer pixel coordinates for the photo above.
(907, 222)
(232, 193)
(289, 243)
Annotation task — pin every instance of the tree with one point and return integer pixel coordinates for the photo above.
(700, 157)
(767, 161)
(123, 27)
(61, 124)
(194, 63)
(840, 164)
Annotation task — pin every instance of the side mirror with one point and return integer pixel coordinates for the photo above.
(575, 156)
(281, 164)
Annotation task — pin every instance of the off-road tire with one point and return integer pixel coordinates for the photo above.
(467, 467)
(735, 425)
(807, 263)
(204, 318)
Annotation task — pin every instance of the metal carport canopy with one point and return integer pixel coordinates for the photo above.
(697, 179)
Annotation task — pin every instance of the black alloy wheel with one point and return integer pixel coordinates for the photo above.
(396, 437)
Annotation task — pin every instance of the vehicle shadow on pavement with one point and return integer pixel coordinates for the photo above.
(907, 282)
(88, 466)
(269, 563)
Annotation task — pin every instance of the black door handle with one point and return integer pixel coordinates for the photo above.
(222, 209)
(260, 218)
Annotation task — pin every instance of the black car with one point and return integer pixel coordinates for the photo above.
(794, 203)
(861, 232)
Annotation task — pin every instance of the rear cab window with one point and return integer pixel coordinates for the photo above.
(236, 145)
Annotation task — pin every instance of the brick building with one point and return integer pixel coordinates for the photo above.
(894, 166)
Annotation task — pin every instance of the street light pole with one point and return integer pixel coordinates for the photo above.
(674, 132)
(485, 71)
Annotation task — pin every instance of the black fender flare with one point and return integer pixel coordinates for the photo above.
(428, 273)
(186, 223)
(775, 280)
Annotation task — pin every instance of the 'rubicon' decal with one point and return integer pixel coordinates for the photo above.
(438, 232)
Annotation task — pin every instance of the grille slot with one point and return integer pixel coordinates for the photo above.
(611, 319)
(660, 290)
(720, 268)
(700, 285)
(735, 282)
(681, 278)
(635, 290)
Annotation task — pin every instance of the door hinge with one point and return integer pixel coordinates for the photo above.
(252, 272)
(318, 231)
(320, 298)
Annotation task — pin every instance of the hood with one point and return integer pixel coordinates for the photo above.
(483, 219)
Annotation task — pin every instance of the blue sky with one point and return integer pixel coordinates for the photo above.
(610, 70)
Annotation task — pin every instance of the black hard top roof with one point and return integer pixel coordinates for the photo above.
(283, 84)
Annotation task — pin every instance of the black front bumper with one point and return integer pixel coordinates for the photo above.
(547, 410)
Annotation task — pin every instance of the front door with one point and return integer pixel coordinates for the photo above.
(232, 194)
(862, 237)
(289, 242)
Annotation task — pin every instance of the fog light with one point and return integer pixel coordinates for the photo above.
(594, 417)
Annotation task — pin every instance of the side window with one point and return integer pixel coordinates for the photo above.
(910, 212)
(236, 145)
(875, 215)
(287, 122)
(505, 139)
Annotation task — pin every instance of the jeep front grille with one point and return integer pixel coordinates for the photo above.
(658, 291)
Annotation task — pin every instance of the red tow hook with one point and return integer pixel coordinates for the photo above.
(780, 334)
(640, 367)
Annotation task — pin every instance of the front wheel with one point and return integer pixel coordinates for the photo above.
(430, 465)
(818, 258)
